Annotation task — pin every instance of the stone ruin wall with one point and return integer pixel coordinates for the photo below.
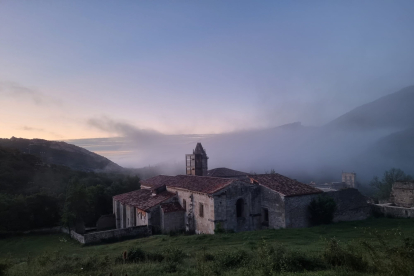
(403, 194)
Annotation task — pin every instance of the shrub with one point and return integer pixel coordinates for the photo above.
(278, 259)
(322, 210)
(219, 229)
(135, 254)
(3, 268)
(173, 254)
(335, 255)
(232, 259)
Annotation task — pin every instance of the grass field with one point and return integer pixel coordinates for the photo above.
(207, 254)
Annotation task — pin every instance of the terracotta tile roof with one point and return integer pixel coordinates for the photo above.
(225, 172)
(156, 181)
(143, 199)
(171, 207)
(202, 184)
(284, 185)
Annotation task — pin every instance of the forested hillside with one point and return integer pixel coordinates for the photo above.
(36, 194)
(61, 153)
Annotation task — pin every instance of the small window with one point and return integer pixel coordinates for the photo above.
(201, 210)
(184, 204)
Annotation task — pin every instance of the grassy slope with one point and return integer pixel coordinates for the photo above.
(308, 240)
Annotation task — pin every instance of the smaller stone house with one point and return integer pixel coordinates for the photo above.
(144, 207)
(402, 194)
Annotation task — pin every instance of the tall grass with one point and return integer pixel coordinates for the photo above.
(374, 252)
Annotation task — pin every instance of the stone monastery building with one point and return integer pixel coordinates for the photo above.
(204, 200)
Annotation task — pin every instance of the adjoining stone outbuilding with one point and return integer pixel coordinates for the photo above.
(402, 194)
(233, 201)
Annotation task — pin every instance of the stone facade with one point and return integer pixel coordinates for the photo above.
(292, 211)
(200, 203)
(402, 194)
(349, 179)
(172, 221)
(350, 205)
(204, 212)
(273, 204)
(237, 208)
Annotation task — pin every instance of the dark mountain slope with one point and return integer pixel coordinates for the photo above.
(395, 150)
(394, 111)
(61, 153)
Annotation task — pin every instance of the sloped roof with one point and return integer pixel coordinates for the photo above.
(284, 185)
(225, 172)
(171, 207)
(202, 184)
(143, 199)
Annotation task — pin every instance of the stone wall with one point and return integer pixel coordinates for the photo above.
(96, 237)
(141, 217)
(116, 205)
(403, 194)
(80, 238)
(349, 179)
(225, 206)
(297, 212)
(172, 221)
(154, 216)
(393, 211)
(192, 219)
(350, 205)
(274, 203)
(130, 216)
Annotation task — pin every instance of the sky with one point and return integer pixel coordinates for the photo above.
(77, 69)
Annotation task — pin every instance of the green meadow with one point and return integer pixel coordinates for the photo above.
(377, 246)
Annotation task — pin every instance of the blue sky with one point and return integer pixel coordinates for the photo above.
(195, 66)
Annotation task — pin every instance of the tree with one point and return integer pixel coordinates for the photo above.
(383, 187)
(322, 210)
(76, 205)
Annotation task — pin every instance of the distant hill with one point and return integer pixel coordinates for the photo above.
(395, 150)
(394, 111)
(61, 153)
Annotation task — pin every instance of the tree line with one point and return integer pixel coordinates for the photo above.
(34, 194)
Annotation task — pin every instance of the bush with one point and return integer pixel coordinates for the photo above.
(271, 259)
(219, 229)
(335, 255)
(227, 260)
(135, 254)
(3, 268)
(322, 210)
(173, 254)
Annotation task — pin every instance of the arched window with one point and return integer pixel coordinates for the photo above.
(239, 207)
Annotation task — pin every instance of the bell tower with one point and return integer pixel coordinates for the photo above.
(196, 163)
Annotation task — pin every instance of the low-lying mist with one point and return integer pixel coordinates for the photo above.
(368, 140)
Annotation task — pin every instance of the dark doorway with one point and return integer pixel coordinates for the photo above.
(265, 217)
(239, 207)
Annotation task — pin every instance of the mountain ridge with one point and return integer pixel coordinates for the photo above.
(62, 153)
(393, 111)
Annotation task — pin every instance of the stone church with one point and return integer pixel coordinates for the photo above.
(204, 200)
